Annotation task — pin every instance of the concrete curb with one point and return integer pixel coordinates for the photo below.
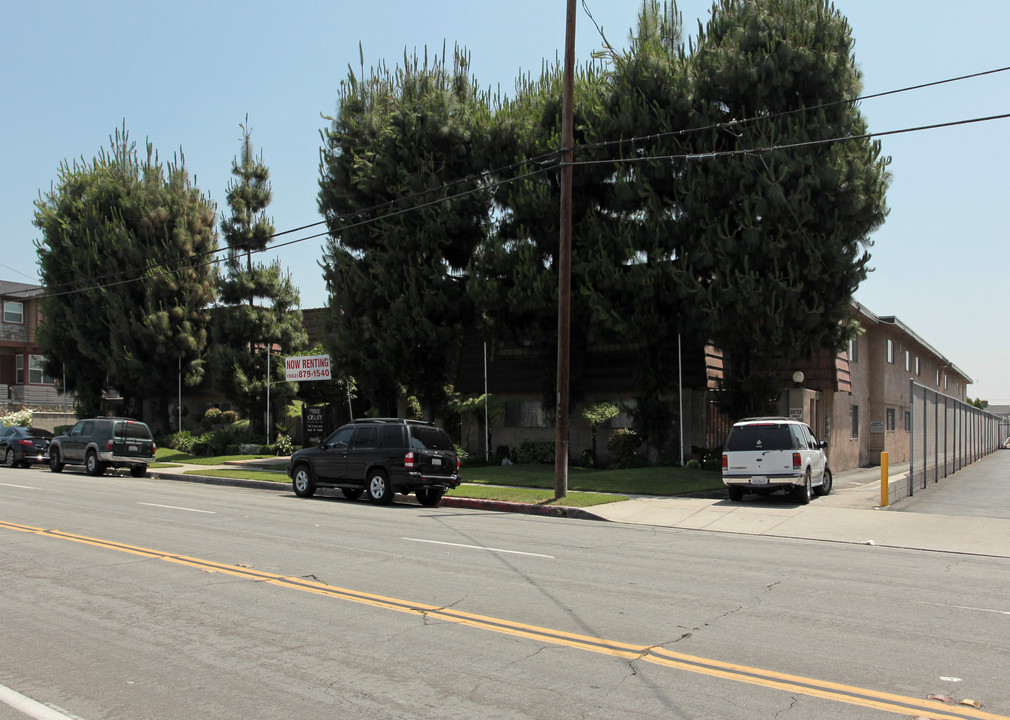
(525, 508)
(458, 502)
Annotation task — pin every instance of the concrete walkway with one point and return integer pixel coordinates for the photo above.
(850, 514)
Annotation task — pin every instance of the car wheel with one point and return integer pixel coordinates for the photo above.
(302, 482)
(9, 458)
(430, 497)
(735, 493)
(92, 465)
(379, 490)
(804, 492)
(54, 461)
(825, 487)
(352, 493)
(138, 470)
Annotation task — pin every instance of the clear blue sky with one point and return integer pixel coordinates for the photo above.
(186, 73)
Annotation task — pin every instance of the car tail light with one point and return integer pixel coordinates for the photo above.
(25, 441)
(457, 463)
(725, 462)
(154, 448)
(796, 461)
(408, 460)
(108, 444)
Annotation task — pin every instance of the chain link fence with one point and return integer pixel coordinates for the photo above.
(946, 434)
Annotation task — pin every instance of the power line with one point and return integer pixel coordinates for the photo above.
(133, 274)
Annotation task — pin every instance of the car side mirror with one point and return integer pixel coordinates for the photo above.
(823, 443)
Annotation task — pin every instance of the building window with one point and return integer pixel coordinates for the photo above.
(36, 375)
(890, 420)
(908, 421)
(19, 369)
(918, 368)
(938, 378)
(854, 421)
(526, 414)
(14, 312)
(908, 361)
(854, 350)
(890, 351)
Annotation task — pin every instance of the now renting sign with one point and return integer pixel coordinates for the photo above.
(307, 367)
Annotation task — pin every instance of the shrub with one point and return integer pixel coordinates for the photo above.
(623, 442)
(212, 417)
(692, 463)
(284, 445)
(535, 452)
(19, 418)
(181, 441)
(587, 459)
(228, 417)
(249, 449)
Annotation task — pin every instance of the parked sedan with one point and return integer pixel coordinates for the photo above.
(24, 446)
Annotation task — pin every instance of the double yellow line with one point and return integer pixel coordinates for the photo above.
(836, 692)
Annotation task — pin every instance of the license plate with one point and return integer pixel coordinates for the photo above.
(436, 461)
(133, 448)
(759, 480)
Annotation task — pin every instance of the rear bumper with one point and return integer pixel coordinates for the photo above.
(417, 480)
(111, 458)
(750, 482)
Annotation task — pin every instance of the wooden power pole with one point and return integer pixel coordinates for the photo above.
(565, 261)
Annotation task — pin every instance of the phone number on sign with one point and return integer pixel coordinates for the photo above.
(312, 374)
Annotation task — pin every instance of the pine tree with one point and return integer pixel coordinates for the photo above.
(401, 236)
(123, 260)
(258, 320)
(777, 236)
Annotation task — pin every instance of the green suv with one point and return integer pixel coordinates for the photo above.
(380, 456)
(102, 443)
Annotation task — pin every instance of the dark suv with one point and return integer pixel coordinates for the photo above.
(101, 443)
(382, 456)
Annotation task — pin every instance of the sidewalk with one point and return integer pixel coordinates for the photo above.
(850, 514)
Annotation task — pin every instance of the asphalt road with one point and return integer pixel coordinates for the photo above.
(132, 599)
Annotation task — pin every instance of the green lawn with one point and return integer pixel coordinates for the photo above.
(517, 483)
(632, 481)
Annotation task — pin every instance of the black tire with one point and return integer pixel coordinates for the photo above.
(92, 465)
(352, 493)
(430, 497)
(9, 458)
(825, 487)
(735, 493)
(54, 461)
(380, 491)
(302, 482)
(138, 470)
(804, 492)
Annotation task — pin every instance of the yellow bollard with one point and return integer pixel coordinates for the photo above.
(884, 487)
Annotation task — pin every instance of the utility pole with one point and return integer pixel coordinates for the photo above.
(565, 261)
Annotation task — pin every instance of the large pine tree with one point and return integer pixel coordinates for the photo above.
(258, 320)
(403, 226)
(123, 258)
(778, 223)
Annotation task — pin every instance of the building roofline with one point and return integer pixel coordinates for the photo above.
(893, 320)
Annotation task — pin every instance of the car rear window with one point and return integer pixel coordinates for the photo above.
(132, 431)
(429, 438)
(759, 437)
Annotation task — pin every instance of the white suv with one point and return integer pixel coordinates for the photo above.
(774, 453)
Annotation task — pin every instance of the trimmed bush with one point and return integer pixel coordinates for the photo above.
(540, 452)
(623, 442)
